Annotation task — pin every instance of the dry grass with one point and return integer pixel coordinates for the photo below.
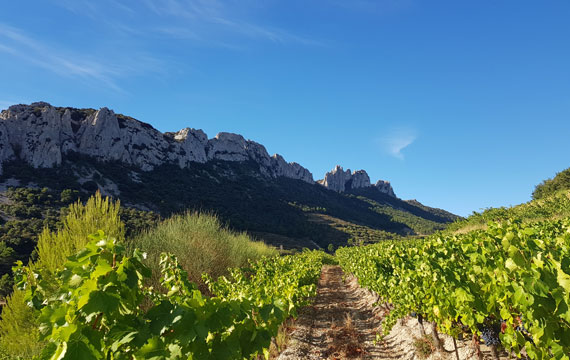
(345, 340)
(279, 342)
(424, 346)
(201, 244)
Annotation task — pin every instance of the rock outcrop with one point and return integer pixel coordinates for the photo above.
(41, 135)
(385, 187)
(340, 180)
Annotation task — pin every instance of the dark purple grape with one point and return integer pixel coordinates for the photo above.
(490, 336)
(490, 333)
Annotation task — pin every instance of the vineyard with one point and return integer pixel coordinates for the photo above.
(100, 308)
(507, 286)
(504, 285)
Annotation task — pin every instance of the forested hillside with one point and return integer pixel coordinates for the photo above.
(281, 211)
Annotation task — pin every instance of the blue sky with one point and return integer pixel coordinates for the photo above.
(462, 105)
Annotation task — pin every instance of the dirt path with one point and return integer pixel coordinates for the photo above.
(343, 323)
(340, 324)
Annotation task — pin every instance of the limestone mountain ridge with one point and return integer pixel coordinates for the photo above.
(41, 135)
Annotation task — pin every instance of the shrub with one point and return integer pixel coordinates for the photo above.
(81, 220)
(68, 196)
(19, 334)
(550, 186)
(202, 245)
(19, 327)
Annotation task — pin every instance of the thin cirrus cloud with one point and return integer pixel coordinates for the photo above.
(63, 62)
(189, 20)
(396, 141)
(202, 16)
(210, 22)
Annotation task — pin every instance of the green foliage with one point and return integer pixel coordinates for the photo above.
(30, 211)
(81, 220)
(19, 333)
(98, 313)
(137, 221)
(53, 250)
(291, 278)
(551, 186)
(68, 196)
(550, 207)
(512, 271)
(199, 233)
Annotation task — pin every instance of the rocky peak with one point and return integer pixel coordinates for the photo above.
(337, 179)
(41, 135)
(341, 181)
(385, 187)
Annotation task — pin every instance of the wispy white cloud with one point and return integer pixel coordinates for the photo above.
(93, 9)
(178, 32)
(64, 62)
(397, 140)
(374, 6)
(216, 23)
(222, 16)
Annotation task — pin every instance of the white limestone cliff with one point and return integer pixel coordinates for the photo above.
(340, 180)
(41, 135)
(336, 179)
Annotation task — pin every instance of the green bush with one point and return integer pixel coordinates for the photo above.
(19, 333)
(202, 245)
(18, 326)
(550, 186)
(82, 220)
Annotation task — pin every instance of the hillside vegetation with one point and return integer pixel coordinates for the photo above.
(554, 206)
(551, 186)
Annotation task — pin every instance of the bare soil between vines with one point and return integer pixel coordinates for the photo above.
(343, 322)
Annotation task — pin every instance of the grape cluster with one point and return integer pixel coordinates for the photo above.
(490, 334)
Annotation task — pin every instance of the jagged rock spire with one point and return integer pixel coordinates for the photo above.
(340, 181)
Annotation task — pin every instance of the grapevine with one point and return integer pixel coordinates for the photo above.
(102, 309)
(467, 283)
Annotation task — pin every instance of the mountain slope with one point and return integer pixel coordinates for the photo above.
(234, 190)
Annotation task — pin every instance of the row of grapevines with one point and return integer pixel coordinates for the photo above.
(101, 308)
(535, 210)
(509, 283)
